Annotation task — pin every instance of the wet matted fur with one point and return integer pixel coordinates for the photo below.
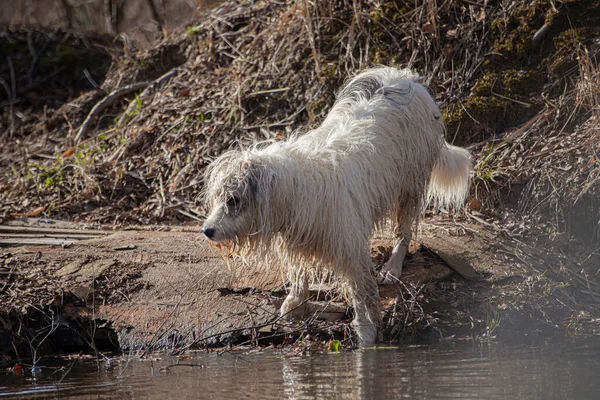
(315, 199)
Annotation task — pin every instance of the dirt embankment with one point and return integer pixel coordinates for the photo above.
(99, 133)
(66, 289)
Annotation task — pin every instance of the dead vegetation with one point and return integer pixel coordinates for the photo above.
(256, 71)
(518, 83)
(248, 72)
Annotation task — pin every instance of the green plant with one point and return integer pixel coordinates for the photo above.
(138, 104)
(194, 30)
(488, 169)
(50, 176)
(335, 346)
(493, 319)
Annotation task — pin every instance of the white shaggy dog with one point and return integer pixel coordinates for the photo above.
(315, 199)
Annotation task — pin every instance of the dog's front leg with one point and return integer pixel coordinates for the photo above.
(364, 293)
(295, 305)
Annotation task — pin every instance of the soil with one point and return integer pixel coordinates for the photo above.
(165, 288)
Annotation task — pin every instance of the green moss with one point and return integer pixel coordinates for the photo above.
(516, 67)
(8, 47)
(496, 102)
(385, 19)
(49, 176)
(391, 11)
(571, 37)
(570, 23)
(62, 54)
(509, 83)
(565, 44)
(382, 56)
(475, 114)
(514, 31)
(194, 30)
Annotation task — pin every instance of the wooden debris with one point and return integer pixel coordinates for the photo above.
(105, 102)
(94, 269)
(44, 235)
(454, 261)
(27, 235)
(415, 276)
(124, 247)
(35, 241)
(70, 269)
(32, 213)
(327, 311)
(29, 229)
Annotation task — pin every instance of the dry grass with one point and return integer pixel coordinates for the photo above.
(248, 72)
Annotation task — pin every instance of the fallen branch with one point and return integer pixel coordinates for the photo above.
(166, 368)
(38, 242)
(44, 235)
(50, 231)
(33, 213)
(146, 93)
(105, 102)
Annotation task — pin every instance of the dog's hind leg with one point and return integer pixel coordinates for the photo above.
(294, 305)
(405, 219)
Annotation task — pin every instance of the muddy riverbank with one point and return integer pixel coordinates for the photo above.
(71, 288)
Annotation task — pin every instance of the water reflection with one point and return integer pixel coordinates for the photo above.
(465, 371)
(488, 371)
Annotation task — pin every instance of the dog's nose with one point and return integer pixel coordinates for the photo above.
(209, 232)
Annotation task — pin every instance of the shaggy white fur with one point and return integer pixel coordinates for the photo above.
(315, 199)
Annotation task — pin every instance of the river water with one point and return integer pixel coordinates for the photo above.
(569, 369)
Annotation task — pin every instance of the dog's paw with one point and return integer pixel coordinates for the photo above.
(389, 274)
(293, 307)
(367, 332)
(387, 278)
(391, 271)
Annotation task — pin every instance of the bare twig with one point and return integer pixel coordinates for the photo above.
(106, 102)
(147, 92)
(255, 327)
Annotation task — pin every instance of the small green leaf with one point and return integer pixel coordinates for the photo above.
(335, 346)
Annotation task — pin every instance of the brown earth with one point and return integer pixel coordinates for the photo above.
(166, 288)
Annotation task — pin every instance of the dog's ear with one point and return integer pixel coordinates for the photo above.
(261, 180)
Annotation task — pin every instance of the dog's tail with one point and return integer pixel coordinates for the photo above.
(449, 183)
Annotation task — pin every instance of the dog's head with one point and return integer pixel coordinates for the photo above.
(238, 188)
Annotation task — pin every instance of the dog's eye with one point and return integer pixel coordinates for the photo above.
(233, 201)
